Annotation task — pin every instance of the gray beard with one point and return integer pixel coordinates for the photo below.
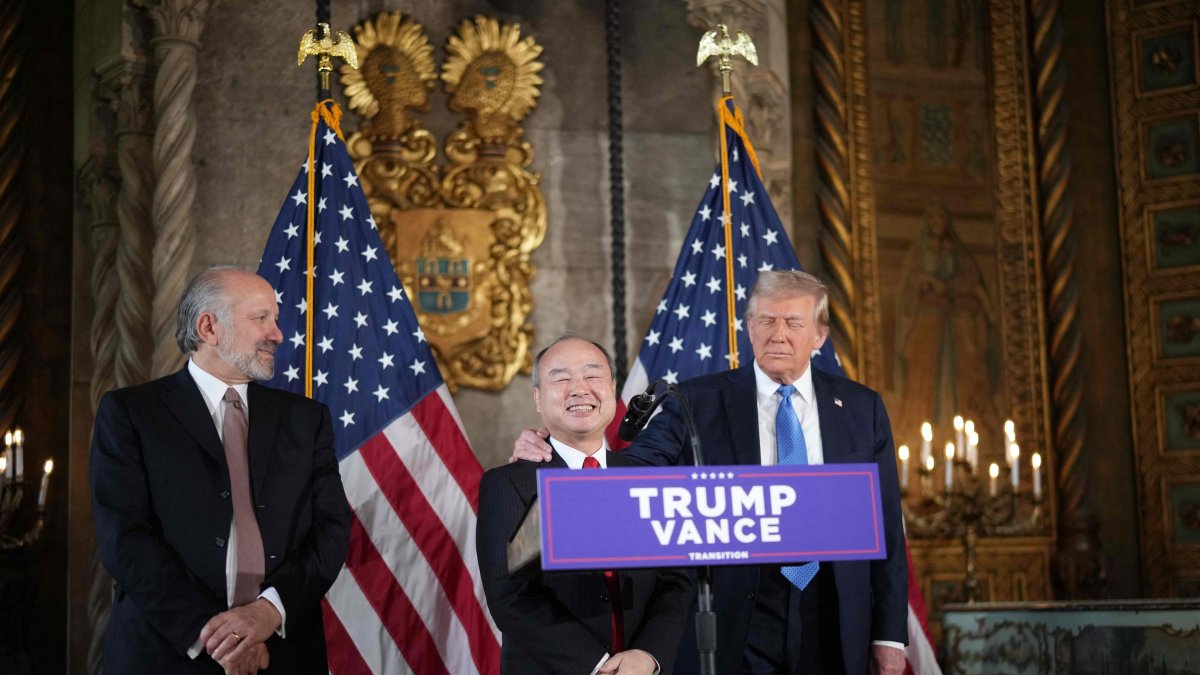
(248, 364)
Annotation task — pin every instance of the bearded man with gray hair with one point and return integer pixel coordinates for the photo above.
(218, 505)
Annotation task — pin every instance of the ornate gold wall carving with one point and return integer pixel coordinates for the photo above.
(1156, 103)
(461, 233)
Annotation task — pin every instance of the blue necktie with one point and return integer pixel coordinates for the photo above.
(790, 448)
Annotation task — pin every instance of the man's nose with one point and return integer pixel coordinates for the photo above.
(275, 335)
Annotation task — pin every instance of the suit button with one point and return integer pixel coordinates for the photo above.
(224, 494)
(604, 597)
(750, 595)
(220, 542)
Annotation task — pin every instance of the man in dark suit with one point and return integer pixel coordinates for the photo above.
(218, 505)
(626, 622)
(840, 617)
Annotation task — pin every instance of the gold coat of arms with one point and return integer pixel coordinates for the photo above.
(460, 232)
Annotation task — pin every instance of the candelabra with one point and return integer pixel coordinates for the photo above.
(959, 506)
(12, 493)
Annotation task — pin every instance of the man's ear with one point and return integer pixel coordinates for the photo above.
(206, 328)
(537, 399)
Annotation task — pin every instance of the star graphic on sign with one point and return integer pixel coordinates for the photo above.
(284, 264)
(321, 378)
(688, 279)
(391, 327)
(325, 344)
(705, 213)
(418, 367)
(419, 334)
(302, 305)
(355, 353)
(292, 230)
(330, 310)
(365, 287)
(745, 230)
(300, 197)
(671, 377)
(336, 277)
(347, 212)
(771, 237)
(385, 361)
(715, 180)
(342, 244)
(662, 306)
(351, 180)
(766, 267)
(351, 385)
(369, 253)
(652, 337)
(396, 294)
(697, 247)
(329, 136)
(321, 205)
(747, 198)
(739, 292)
(297, 339)
(326, 170)
(742, 260)
(676, 344)
(292, 373)
(347, 418)
(718, 252)
(682, 312)
(360, 319)
(381, 394)
(709, 318)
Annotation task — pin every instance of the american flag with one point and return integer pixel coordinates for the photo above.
(689, 334)
(409, 598)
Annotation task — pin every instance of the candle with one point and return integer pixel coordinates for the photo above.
(49, 467)
(926, 443)
(3, 467)
(1014, 454)
(1036, 462)
(949, 465)
(993, 474)
(973, 449)
(1010, 432)
(8, 454)
(904, 466)
(959, 441)
(19, 442)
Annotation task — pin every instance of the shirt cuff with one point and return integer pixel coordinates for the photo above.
(889, 643)
(600, 663)
(272, 596)
(196, 648)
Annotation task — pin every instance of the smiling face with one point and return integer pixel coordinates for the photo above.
(576, 394)
(784, 331)
(241, 346)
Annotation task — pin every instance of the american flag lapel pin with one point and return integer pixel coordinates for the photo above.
(837, 401)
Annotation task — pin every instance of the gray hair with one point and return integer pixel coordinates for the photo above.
(537, 360)
(205, 293)
(790, 283)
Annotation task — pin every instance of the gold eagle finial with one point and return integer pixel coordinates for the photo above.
(717, 42)
(325, 46)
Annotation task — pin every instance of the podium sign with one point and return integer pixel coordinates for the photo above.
(715, 515)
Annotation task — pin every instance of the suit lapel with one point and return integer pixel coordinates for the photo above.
(184, 400)
(741, 415)
(833, 417)
(266, 412)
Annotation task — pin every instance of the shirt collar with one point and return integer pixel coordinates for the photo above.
(574, 458)
(213, 389)
(767, 387)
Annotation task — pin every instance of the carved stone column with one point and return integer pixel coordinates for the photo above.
(177, 28)
(762, 92)
(12, 203)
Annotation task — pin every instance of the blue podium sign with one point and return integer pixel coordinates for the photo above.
(714, 515)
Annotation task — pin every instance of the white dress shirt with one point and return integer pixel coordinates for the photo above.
(212, 390)
(804, 403)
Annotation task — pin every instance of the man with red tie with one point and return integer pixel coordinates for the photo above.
(573, 622)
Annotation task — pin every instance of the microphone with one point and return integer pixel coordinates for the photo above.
(638, 413)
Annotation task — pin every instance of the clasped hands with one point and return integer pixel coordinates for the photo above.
(629, 662)
(235, 638)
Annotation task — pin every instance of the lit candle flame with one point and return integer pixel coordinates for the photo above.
(949, 450)
(1037, 461)
(49, 466)
(969, 427)
(19, 436)
(994, 470)
(903, 453)
(929, 463)
(1010, 430)
(927, 431)
(958, 423)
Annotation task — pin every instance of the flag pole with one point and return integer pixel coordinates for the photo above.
(717, 42)
(320, 42)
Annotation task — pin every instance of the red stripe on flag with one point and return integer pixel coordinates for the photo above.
(614, 442)
(391, 603)
(344, 657)
(448, 440)
(435, 543)
(915, 599)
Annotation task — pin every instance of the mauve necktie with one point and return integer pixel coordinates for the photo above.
(790, 448)
(250, 560)
(614, 588)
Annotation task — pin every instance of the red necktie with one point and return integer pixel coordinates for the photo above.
(614, 588)
(250, 563)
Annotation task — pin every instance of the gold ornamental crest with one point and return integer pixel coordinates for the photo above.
(460, 232)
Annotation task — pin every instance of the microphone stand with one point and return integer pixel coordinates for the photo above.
(706, 618)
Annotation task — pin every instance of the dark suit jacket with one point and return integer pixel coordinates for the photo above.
(560, 622)
(872, 595)
(160, 500)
